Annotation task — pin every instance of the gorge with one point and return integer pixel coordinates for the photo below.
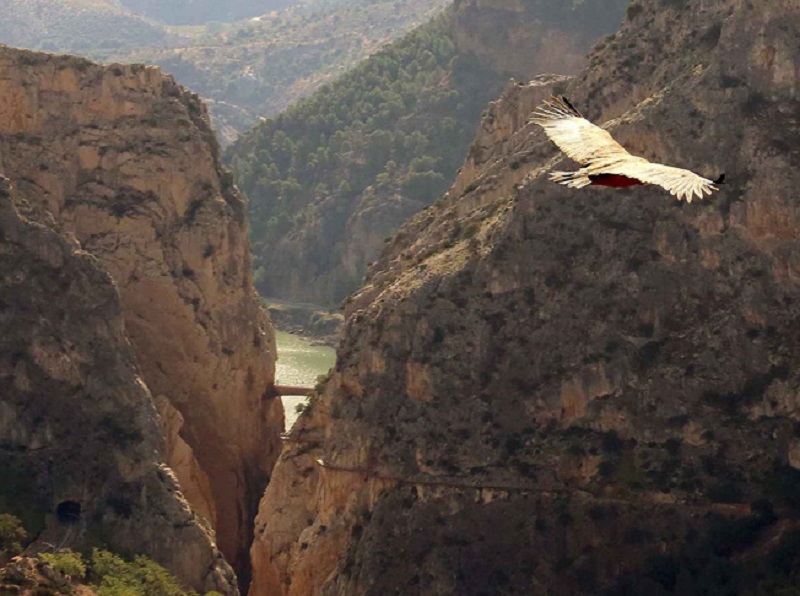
(538, 390)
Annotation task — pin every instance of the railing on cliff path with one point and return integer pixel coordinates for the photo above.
(651, 499)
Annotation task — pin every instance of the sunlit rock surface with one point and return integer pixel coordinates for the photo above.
(124, 162)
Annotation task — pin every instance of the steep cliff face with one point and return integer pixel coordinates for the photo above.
(323, 260)
(124, 160)
(81, 442)
(541, 388)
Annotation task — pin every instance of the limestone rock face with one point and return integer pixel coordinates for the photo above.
(501, 135)
(81, 449)
(540, 387)
(124, 161)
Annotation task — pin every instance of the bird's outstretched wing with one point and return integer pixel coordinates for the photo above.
(577, 137)
(681, 184)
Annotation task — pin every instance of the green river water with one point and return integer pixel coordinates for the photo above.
(299, 363)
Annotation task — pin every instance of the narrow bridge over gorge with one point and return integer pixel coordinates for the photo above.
(293, 390)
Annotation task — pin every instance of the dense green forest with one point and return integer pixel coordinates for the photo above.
(400, 122)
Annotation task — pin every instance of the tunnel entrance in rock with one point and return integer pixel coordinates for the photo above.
(68, 512)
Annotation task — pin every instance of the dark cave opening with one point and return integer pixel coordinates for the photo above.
(68, 512)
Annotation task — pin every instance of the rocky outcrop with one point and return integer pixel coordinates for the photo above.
(541, 388)
(81, 445)
(124, 161)
(490, 163)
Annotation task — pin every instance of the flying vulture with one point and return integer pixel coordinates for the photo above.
(604, 162)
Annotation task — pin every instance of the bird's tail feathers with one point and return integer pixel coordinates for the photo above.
(572, 179)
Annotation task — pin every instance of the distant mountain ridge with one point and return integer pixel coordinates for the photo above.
(259, 67)
(248, 59)
(77, 26)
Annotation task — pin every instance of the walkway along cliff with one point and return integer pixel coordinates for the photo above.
(122, 160)
(634, 355)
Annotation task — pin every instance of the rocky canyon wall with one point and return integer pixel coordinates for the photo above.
(81, 445)
(122, 160)
(540, 388)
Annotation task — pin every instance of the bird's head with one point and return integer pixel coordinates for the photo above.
(720, 180)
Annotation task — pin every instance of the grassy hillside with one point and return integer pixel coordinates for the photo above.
(399, 125)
